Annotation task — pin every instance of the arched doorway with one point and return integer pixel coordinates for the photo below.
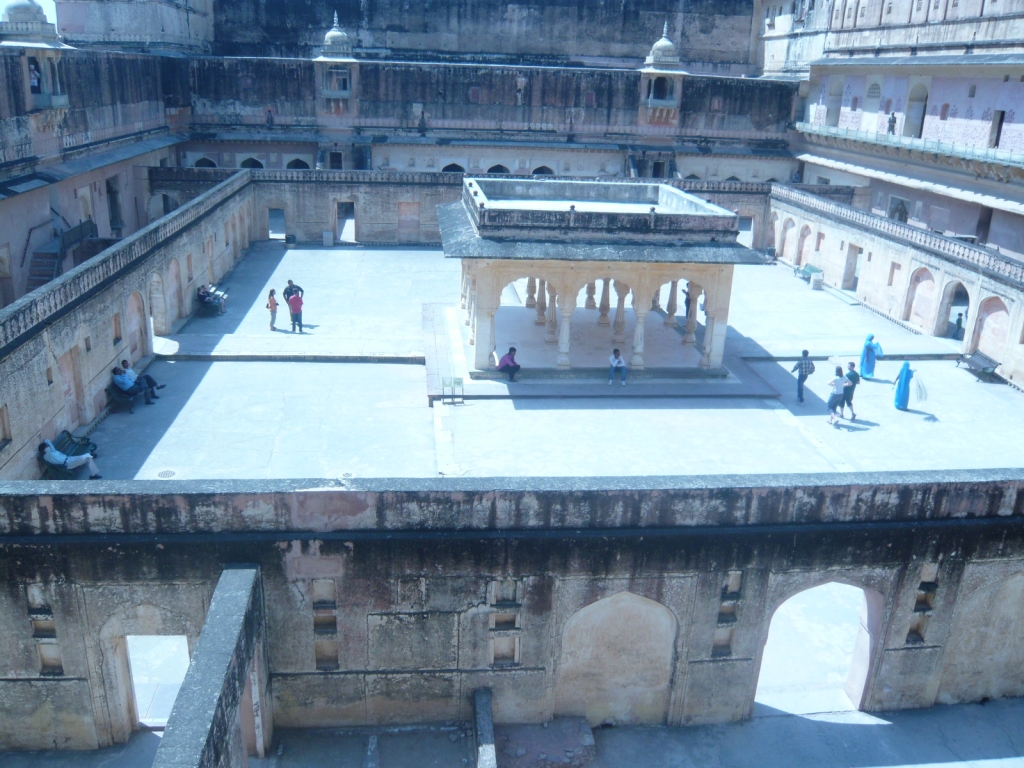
(250, 162)
(174, 308)
(956, 304)
(297, 165)
(453, 168)
(543, 170)
(205, 162)
(818, 651)
(801, 251)
(616, 662)
(920, 299)
(984, 653)
(497, 169)
(137, 346)
(917, 105)
(993, 328)
(786, 229)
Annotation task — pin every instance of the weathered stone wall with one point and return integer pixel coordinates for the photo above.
(532, 30)
(390, 601)
(59, 343)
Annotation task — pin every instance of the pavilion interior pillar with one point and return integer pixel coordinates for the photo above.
(619, 328)
(567, 304)
(551, 332)
(542, 305)
(706, 345)
(656, 299)
(484, 337)
(640, 308)
(693, 294)
(604, 306)
(531, 292)
(591, 290)
(471, 300)
(673, 304)
(716, 308)
(465, 284)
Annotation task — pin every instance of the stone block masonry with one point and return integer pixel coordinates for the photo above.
(392, 601)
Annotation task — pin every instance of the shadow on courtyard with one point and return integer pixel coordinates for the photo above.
(138, 752)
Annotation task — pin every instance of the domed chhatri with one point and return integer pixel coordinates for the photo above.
(24, 10)
(663, 52)
(336, 42)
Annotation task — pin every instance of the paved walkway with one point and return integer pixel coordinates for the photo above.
(266, 418)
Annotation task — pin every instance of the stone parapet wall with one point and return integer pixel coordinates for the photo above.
(391, 601)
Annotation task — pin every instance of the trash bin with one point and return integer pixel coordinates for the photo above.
(328, 239)
(289, 239)
(817, 281)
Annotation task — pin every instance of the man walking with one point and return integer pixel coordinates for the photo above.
(295, 307)
(854, 378)
(804, 367)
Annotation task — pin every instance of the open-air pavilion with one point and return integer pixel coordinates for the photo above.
(566, 236)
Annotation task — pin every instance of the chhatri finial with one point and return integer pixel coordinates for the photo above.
(336, 21)
(664, 32)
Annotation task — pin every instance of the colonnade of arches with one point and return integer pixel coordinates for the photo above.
(933, 300)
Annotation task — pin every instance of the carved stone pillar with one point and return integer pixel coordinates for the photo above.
(705, 347)
(484, 324)
(637, 361)
(603, 318)
(531, 292)
(471, 321)
(690, 337)
(673, 305)
(542, 305)
(551, 332)
(465, 285)
(619, 328)
(567, 304)
(471, 303)
(591, 290)
(656, 299)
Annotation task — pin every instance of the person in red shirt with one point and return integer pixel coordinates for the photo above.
(508, 364)
(295, 307)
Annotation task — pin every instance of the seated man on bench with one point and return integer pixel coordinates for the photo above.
(148, 380)
(131, 387)
(51, 455)
(210, 299)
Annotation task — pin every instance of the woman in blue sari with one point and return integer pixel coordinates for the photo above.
(872, 350)
(902, 398)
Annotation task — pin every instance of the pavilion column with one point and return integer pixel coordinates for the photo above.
(619, 328)
(603, 318)
(591, 290)
(637, 361)
(484, 322)
(656, 299)
(471, 322)
(673, 305)
(471, 302)
(465, 285)
(542, 305)
(567, 304)
(706, 345)
(716, 308)
(693, 292)
(551, 332)
(531, 292)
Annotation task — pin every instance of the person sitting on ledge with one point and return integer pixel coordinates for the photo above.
(508, 364)
(132, 387)
(51, 455)
(148, 380)
(616, 362)
(206, 297)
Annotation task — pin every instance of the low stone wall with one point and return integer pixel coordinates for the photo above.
(205, 729)
(391, 601)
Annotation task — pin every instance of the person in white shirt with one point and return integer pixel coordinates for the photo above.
(148, 380)
(616, 362)
(836, 398)
(51, 455)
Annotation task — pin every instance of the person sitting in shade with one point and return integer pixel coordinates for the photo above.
(148, 380)
(508, 364)
(132, 386)
(51, 455)
(206, 297)
(616, 363)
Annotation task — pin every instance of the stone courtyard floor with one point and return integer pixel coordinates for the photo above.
(244, 402)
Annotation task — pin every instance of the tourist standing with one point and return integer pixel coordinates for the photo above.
(292, 289)
(295, 307)
(892, 124)
(871, 352)
(272, 306)
(902, 399)
(804, 367)
(508, 364)
(959, 325)
(838, 394)
(617, 363)
(854, 378)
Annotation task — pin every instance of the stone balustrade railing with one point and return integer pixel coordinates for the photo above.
(43, 303)
(359, 177)
(995, 264)
(965, 151)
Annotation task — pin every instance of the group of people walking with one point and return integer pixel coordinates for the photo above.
(292, 295)
(843, 385)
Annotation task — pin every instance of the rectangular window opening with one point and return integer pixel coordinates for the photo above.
(5, 420)
(116, 323)
(894, 270)
(158, 664)
(505, 651)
